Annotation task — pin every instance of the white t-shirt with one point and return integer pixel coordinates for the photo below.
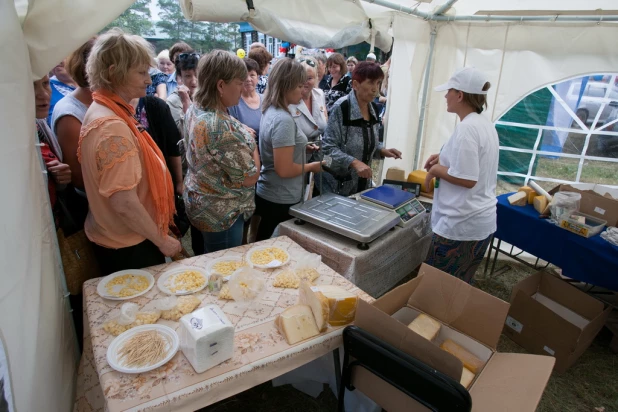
(471, 153)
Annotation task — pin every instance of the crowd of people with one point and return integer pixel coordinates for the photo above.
(142, 153)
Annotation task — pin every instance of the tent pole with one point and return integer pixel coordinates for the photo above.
(421, 119)
(436, 16)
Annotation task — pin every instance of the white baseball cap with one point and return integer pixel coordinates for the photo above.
(468, 80)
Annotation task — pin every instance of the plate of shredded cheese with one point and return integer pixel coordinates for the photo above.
(267, 257)
(126, 284)
(226, 265)
(143, 348)
(182, 280)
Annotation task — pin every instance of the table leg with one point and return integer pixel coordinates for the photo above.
(491, 245)
(337, 367)
(493, 265)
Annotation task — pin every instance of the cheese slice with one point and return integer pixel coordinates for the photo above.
(425, 326)
(469, 361)
(341, 304)
(540, 203)
(297, 323)
(466, 378)
(530, 192)
(418, 176)
(518, 199)
(317, 301)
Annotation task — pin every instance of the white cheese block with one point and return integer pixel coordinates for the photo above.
(466, 378)
(317, 302)
(518, 199)
(206, 337)
(297, 323)
(425, 326)
(341, 304)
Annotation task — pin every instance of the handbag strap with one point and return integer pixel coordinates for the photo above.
(70, 222)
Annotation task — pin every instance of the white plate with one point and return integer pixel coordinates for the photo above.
(173, 272)
(169, 334)
(272, 264)
(210, 267)
(101, 290)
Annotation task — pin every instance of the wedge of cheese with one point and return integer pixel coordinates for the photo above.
(297, 323)
(469, 361)
(518, 199)
(530, 192)
(425, 326)
(318, 303)
(540, 203)
(418, 176)
(341, 304)
(466, 378)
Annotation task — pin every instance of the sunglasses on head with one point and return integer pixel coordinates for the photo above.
(309, 62)
(185, 56)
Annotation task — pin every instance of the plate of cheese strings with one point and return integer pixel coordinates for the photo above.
(143, 348)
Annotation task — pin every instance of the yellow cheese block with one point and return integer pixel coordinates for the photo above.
(341, 304)
(396, 173)
(540, 203)
(530, 192)
(425, 326)
(466, 378)
(418, 176)
(518, 199)
(469, 361)
(297, 323)
(319, 304)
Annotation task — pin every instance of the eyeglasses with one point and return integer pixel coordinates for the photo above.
(309, 62)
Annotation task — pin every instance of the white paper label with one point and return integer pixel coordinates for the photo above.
(514, 324)
(548, 350)
(315, 288)
(274, 263)
(599, 210)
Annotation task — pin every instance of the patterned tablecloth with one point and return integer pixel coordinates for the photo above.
(260, 354)
(389, 259)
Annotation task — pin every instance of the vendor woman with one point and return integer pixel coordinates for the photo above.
(464, 207)
(351, 135)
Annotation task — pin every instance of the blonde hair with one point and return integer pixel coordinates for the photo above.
(122, 51)
(286, 75)
(165, 54)
(212, 67)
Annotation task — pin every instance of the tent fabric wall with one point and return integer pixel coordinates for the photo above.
(515, 62)
(316, 23)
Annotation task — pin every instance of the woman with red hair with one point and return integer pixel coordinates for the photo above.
(351, 136)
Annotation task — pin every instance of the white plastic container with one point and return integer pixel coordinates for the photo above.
(206, 337)
(582, 224)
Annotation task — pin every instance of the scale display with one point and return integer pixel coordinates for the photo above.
(410, 210)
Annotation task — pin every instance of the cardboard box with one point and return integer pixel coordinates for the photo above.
(471, 318)
(550, 317)
(597, 200)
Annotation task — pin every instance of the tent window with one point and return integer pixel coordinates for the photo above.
(562, 133)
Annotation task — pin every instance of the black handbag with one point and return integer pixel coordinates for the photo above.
(180, 218)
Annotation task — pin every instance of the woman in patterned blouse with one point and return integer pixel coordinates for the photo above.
(222, 155)
(336, 84)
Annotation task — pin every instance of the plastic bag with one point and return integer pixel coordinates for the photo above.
(246, 284)
(564, 203)
(306, 267)
(166, 303)
(129, 318)
(173, 308)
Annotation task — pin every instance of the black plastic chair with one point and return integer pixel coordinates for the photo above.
(429, 387)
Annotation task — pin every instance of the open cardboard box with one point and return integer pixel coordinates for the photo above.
(471, 318)
(549, 316)
(597, 200)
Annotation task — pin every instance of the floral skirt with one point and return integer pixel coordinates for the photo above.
(459, 258)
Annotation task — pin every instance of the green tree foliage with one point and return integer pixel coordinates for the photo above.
(135, 20)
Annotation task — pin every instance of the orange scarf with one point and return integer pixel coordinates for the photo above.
(159, 180)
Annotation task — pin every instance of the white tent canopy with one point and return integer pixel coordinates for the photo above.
(518, 55)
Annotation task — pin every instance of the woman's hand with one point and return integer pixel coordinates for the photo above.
(170, 246)
(434, 159)
(391, 153)
(185, 97)
(312, 148)
(362, 169)
(60, 172)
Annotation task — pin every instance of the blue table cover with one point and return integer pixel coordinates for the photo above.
(591, 260)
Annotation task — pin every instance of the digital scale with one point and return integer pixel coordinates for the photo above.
(404, 203)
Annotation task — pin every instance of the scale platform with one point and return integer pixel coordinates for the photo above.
(348, 217)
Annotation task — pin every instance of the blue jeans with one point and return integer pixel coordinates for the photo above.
(232, 237)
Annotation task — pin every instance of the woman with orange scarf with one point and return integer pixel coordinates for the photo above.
(129, 188)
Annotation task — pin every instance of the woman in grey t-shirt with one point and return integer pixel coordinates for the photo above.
(281, 148)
